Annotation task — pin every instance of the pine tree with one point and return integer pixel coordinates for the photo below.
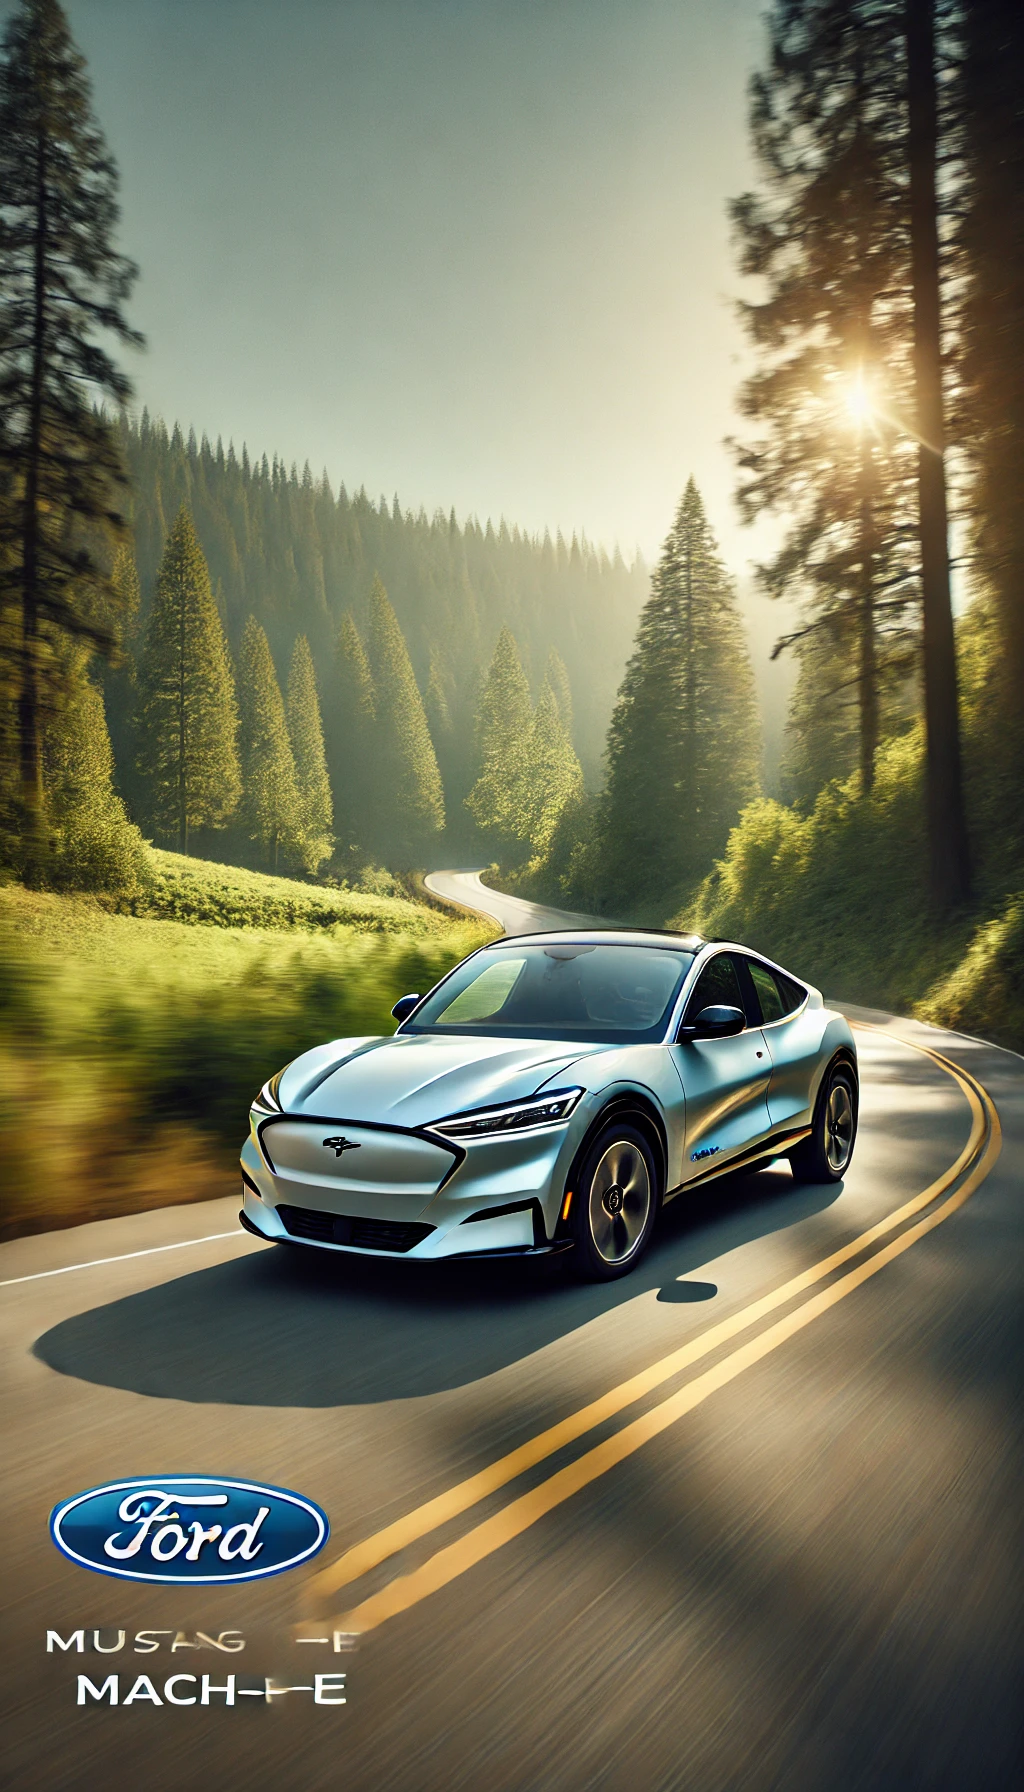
(307, 739)
(991, 95)
(554, 777)
(62, 287)
(558, 679)
(94, 845)
(350, 712)
(683, 743)
(500, 801)
(828, 235)
(187, 720)
(271, 809)
(408, 783)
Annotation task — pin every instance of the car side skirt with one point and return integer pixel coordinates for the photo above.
(757, 1154)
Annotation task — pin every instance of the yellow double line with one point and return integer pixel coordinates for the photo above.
(979, 1153)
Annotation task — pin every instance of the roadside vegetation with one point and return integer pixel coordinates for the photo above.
(131, 1046)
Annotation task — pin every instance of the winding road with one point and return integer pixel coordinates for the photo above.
(746, 1519)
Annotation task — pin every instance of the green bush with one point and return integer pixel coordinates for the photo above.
(984, 992)
(210, 895)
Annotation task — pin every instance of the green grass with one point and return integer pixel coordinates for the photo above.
(201, 893)
(130, 1046)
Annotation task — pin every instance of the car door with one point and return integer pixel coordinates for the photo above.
(793, 1033)
(725, 1081)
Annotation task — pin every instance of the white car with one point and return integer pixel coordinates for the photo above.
(551, 1093)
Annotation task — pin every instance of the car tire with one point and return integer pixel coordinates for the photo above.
(825, 1156)
(614, 1202)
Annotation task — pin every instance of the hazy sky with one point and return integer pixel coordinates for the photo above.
(472, 251)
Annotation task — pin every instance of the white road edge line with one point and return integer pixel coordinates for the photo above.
(152, 1251)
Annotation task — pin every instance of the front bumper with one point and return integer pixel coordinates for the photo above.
(501, 1196)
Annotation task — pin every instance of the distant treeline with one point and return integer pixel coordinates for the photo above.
(285, 547)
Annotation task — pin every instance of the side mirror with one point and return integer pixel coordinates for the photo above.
(404, 1007)
(716, 1022)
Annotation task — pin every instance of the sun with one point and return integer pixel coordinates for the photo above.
(858, 399)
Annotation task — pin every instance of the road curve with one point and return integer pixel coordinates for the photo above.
(745, 1519)
(512, 913)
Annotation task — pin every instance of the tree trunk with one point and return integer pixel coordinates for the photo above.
(949, 860)
(28, 706)
(867, 670)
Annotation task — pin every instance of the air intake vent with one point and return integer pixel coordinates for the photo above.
(363, 1235)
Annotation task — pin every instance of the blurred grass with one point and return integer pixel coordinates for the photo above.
(131, 1046)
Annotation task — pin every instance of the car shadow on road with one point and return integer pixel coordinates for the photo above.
(295, 1327)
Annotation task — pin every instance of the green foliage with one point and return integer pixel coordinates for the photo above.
(410, 800)
(827, 239)
(683, 742)
(299, 556)
(306, 734)
(350, 712)
(270, 810)
(991, 243)
(187, 718)
(841, 893)
(94, 846)
(555, 778)
(62, 287)
(209, 895)
(557, 677)
(130, 1049)
(500, 799)
(983, 993)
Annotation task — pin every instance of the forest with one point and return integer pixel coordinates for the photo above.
(208, 654)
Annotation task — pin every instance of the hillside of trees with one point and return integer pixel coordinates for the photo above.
(298, 555)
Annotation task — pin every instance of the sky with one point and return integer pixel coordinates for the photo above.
(472, 251)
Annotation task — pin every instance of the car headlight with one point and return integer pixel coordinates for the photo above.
(267, 1101)
(517, 1116)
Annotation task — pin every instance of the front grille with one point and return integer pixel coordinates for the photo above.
(364, 1235)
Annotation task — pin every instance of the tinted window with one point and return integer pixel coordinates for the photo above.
(768, 994)
(717, 985)
(612, 994)
(778, 995)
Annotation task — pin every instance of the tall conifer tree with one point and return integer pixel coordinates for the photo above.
(62, 288)
(554, 778)
(187, 720)
(409, 793)
(94, 845)
(500, 801)
(270, 809)
(350, 712)
(306, 734)
(683, 744)
(827, 236)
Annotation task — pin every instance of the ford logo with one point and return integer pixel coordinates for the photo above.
(192, 1530)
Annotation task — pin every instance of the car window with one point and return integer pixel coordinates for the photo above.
(486, 994)
(717, 985)
(768, 993)
(778, 995)
(568, 989)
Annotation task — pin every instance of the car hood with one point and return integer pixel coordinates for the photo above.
(414, 1079)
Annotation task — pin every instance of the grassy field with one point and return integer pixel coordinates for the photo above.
(130, 1045)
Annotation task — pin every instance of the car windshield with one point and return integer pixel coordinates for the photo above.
(614, 995)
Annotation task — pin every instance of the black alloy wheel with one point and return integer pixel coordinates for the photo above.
(826, 1155)
(614, 1202)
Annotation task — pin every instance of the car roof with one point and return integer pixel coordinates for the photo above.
(607, 936)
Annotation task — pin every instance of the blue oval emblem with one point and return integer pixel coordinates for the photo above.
(192, 1530)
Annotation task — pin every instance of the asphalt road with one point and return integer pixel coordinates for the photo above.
(783, 1557)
